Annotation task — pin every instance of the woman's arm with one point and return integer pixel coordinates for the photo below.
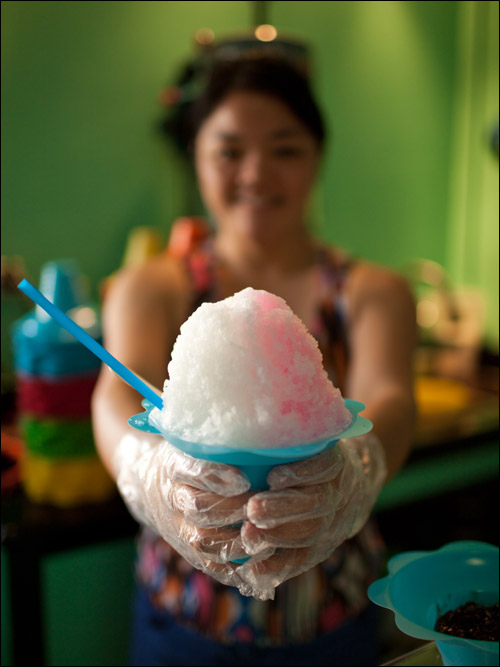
(191, 503)
(314, 505)
(383, 336)
(142, 313)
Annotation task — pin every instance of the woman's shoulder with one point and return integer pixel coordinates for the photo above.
(334, 256)
(160, 280)
(371, 277)
(366, 281)
(361, 270)
(160, 273)
(372, 284)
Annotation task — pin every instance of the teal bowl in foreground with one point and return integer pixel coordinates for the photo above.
(423, 585)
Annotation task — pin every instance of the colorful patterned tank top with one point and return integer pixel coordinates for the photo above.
(315, 602)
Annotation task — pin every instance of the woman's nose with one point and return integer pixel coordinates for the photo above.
(253, 169)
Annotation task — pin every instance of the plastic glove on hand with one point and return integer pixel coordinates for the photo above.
(191, 503)
(312, 507)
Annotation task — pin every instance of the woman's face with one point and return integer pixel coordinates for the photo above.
(256, 163)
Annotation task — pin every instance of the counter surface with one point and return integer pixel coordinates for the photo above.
(425, 656)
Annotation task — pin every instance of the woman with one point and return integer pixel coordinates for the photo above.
(257, 140)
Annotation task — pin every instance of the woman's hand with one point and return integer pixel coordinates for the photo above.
(195, 505)
(191, 503)
(312, 507)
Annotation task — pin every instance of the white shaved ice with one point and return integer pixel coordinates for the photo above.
(246, 373)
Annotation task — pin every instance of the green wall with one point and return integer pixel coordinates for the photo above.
(79, 86)
(472, 239)
(81, 164)
(385, 74)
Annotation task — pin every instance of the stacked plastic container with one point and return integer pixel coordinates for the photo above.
(55, 378)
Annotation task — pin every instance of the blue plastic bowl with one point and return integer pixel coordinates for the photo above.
(256, 463)
(423, 585)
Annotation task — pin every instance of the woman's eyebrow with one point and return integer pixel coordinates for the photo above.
(286, 132)
(283, 133)
(228, 136)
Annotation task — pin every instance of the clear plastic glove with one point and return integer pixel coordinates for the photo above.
(312, 507)
(191, 503)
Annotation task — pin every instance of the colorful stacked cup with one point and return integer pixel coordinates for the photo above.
(55, 377)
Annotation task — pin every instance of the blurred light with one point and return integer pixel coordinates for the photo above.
(427, 314)
(432, 272)
(266, 33)
(30, 328)
(84, 317)
(204, 36)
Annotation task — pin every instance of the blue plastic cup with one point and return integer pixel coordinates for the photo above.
(41, 347)
(423, 585)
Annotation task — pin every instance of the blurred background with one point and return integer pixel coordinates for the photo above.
(410, 179)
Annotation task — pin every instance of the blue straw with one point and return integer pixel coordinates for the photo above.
(84, 338)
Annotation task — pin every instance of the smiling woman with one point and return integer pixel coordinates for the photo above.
(256, 138)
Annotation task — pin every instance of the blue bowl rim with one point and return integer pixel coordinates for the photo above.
(358, 426)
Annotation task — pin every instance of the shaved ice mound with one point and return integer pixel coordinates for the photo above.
(246, 373)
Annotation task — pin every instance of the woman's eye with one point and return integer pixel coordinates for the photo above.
(288, 151)
(229, 153)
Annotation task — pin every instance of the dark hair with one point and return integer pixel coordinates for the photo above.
(262, 74)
